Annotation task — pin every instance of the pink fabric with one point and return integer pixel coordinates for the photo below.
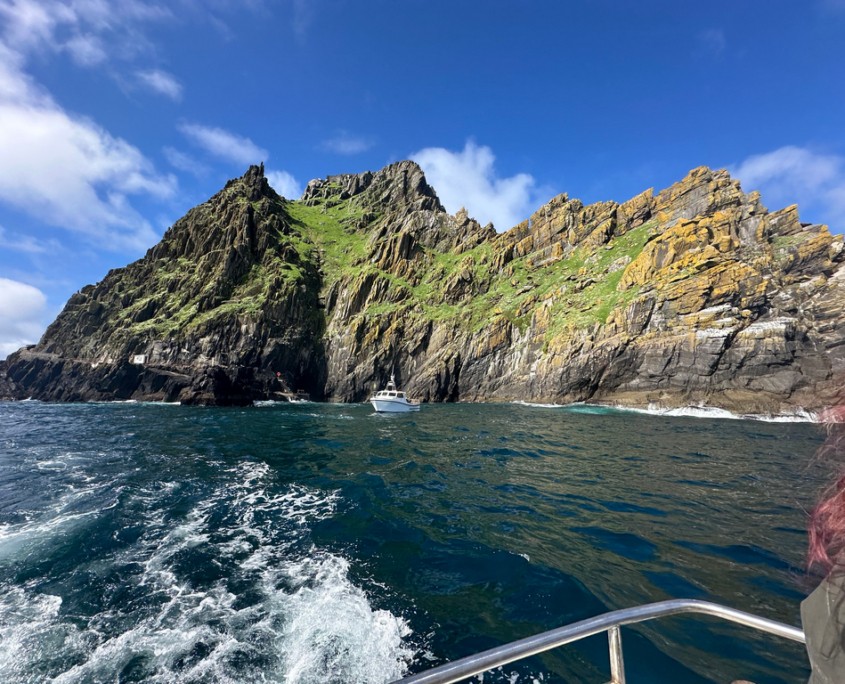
(826, 548)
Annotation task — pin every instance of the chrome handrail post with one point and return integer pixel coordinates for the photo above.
(617, 662)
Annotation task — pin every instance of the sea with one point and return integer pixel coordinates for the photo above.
(316, 543)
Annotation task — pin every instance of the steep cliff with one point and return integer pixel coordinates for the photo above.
(696, 295)
(227, 298)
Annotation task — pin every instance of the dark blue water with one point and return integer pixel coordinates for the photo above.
(312, 543)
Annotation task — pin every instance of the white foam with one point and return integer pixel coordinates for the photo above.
(700, 411)
(305, 621)
(798, 416)
(275, 402)
(358, 644)
(538, 405)
(51, 466)
(30, 633)
(323, 416)
(39, 528)
(575, 407)
(693, 412)
(513, 677)
(136, 402)
(312, 626)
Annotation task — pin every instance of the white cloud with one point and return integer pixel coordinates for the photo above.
(713, 42)
(86, 50)
(346, 144)
(68, 171)
(223, 144)
(833, 5)
(285, 184)
(14, 85)
(57, 166)
(93, 32)
(161, 82)
(21, 310)
(90, 30)
(30, 24)
(303, 16)
(184, 162)
(796, 175)
(468, 179)
(24, 243)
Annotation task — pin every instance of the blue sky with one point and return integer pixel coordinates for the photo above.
(116, 118)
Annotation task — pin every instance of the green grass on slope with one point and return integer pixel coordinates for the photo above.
(177, 287)
(332, 236)
(332, 229)
(582, 289)
(580, 285)
(323, 236)
(592, 295)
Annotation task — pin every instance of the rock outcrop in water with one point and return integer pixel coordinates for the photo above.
(695, 295)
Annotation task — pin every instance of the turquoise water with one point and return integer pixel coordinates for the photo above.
(324, 543)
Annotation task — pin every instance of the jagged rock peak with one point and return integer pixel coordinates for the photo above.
(400, 183)
(411, 178)
(236, 215)
(254, 183)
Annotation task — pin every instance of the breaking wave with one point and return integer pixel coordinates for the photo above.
(798, 416)
(710, 412)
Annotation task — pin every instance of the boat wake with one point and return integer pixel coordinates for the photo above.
(231, 590)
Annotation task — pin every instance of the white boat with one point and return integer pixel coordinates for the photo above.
(392, 400)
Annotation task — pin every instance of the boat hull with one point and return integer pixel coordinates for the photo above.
(393, 406)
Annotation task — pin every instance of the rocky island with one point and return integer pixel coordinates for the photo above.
(696, 295)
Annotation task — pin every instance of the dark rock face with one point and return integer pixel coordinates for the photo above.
(7, 387)
(696, 295)
(208, 316)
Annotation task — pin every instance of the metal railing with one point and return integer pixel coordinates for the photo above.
(608, 622)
